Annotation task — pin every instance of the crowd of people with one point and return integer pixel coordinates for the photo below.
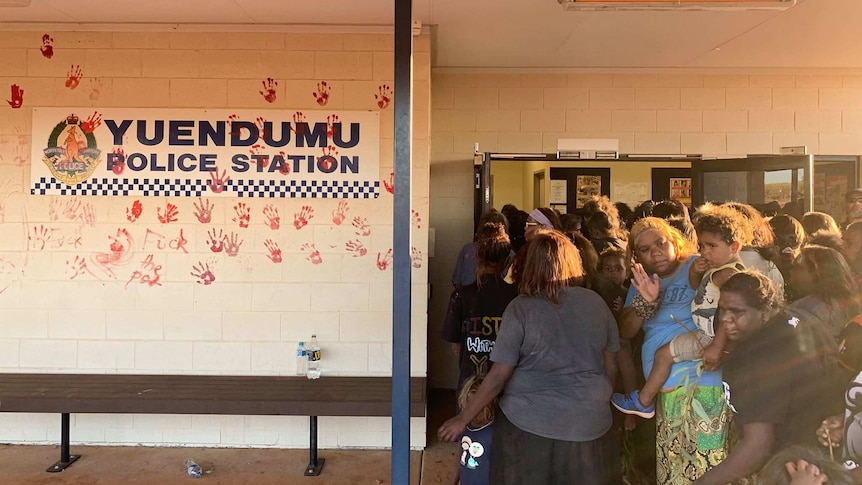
(733, 337)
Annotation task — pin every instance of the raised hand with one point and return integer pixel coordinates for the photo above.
(361, 227)
(648, 286)
(232, 244)
(74, 77)
(340, 213)
(215, 241)
(203, 211)
(202, 272)
(274, 251)
(301, 218)
(269, 86)
(93, 122)
(322, 93)
(217, 182)
(356, 248)
(243, 214)
(17, 97)
(170, 215)
(273, 220)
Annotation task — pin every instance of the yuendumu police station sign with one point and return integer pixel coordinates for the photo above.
(196, 152)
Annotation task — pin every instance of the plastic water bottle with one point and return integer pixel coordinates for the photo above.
(193, 469)
(301, 360)
(313, 359)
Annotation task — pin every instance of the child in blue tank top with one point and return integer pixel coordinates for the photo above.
(474, 467)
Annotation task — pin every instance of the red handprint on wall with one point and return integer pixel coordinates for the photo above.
(284, 169)
(390, 185)
(215, 241)
(384, 260)
(313, 254)
(203, 210)
(361, 227)
(77, 267)
(119, 160)
(39, 237)
(332, 125)
(340, 213)
(134, 212)
(171, 213)
(202, 272)
(93, 122)
(383, 96)
(301, 218)
(73, 77)
(47, 48)
(273, 220)
(243, 215)
(217, 182)
(261, 160)
(322, 93)
(232, 243)
(298, 118)
(274, 251)
(17, 97)
(95, 89)
(356, 248)
(269, 86)
(330, 155)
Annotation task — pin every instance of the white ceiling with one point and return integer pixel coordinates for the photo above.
(524, 33)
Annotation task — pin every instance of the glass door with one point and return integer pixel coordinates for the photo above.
(776, 184)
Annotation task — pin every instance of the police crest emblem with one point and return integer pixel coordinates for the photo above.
(71, 155)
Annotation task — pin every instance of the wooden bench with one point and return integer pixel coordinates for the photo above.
(202, 394)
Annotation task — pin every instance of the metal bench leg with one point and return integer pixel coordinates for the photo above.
(314, 464)
(65, 458)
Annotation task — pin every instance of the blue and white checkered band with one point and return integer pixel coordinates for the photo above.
(303, 189)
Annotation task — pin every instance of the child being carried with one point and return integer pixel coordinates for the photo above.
(721, 233)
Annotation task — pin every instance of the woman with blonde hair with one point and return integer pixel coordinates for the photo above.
(555, 358)
(691, 415)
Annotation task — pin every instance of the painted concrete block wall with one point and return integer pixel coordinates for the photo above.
(670, 112)
(58, 316)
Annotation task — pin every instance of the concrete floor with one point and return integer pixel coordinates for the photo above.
(25, 465)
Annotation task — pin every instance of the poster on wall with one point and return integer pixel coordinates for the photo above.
(587, 186)
(680, 189)
(205, 152)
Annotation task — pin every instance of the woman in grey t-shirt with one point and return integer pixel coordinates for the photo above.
(555, 357)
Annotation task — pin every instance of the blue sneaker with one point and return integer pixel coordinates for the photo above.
(630, 404)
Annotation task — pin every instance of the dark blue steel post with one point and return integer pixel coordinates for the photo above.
(401, 279)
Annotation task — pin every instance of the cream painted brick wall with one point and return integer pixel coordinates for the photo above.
(249, 320)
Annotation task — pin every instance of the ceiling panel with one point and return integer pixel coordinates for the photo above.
(528, 33)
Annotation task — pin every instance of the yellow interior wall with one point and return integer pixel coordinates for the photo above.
(513, 181)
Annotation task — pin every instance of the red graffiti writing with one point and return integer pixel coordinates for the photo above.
(93, 122)
(215, 241)
(340, 213)
(383, 96)
(134, 212)
(313, 254)
(273, 220)
(217, 183)
(390, 185)
(17, 97)
(416, 257)
(119, 160)
(356, 248)
(243, 215)
(203, 210)
(361, 227)
(148, 274)
(232, 244)
(301, 218)
(274, 251)
(73, 77)
(171, 213)
(268, 92)
(203, 273)
(384, 260)
(322, 93)
(47, 48)
(152, 237)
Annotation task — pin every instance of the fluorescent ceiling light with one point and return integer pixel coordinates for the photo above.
(721, 5)
(14, 3)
